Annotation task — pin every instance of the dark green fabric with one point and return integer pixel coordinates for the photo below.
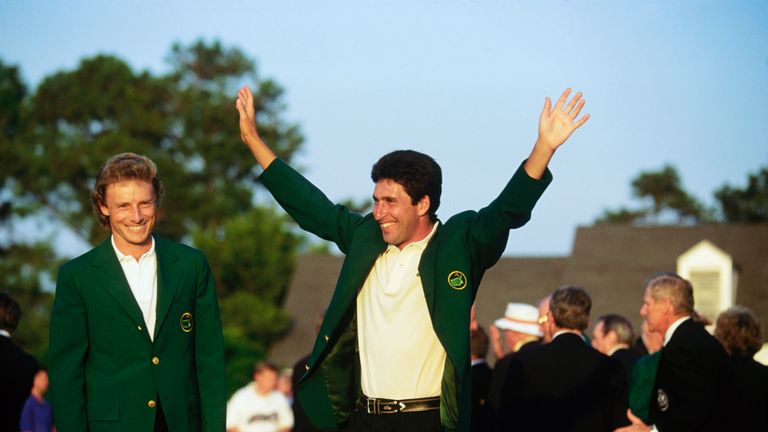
(469, 242)
(100, 355)
(641, 385)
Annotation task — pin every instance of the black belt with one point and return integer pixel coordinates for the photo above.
(391, 406)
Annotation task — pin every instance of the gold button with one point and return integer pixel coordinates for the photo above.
(326, 338)
(306, 366)
(155, 360)
(138, 328)
(151, 404)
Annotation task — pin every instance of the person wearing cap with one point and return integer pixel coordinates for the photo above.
(521, 331)
(564, 385)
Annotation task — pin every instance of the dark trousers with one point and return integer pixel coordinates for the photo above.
(160, 424)
(423, 421)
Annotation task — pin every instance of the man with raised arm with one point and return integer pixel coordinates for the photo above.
(393, 350)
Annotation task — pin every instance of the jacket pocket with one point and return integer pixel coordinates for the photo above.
(103, 410)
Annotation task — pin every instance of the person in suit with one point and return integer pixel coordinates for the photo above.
(612, 336)
(691, 391)
(741, 334)
(17, 368)
(482, 413)
(564, 385)
(521, 331)
(395, 338)
(644, 373)
(135, 336)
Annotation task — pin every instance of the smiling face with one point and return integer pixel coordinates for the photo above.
(401, 221)
(131, 206)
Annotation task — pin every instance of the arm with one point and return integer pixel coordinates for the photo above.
(68, 345)
(263, 154)
(555, 126)
(209, 353)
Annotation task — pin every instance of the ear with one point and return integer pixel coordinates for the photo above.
(423, 205)
(104, 210)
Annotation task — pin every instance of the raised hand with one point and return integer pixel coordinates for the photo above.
(558, 123)
(555, 126)
(244, 104)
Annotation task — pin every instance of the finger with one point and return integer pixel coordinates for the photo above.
(581, 121)
(547, 106)
(573, 103)
(577, 109)
(563, 98)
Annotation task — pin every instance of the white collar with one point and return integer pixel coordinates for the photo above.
(421, 244)
(122, 257)
(672, 328)
(5, 333)
(576, 332)
(616, 348)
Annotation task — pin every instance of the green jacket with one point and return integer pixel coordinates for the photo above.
(104, 369)
(451, 268)
(641, 385)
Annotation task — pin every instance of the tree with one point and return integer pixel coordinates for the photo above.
(56, 139)
(747, 205)
(666, 201)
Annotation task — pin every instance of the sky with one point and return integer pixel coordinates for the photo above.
(665, 82)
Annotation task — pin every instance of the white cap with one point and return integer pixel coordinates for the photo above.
(520, 317)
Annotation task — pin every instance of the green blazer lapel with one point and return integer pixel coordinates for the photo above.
(168, 279)
(109, 274)
(427, 270)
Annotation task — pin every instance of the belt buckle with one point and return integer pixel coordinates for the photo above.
(371, 405)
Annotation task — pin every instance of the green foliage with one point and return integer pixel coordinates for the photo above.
(666, 202)
(747, 205)
(670, 203)
(23, 271)
(55, 139)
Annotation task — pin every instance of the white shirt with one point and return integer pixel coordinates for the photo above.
(5, 333)
(671, 330)
(400, 354)
(142, 278)
(248, 411)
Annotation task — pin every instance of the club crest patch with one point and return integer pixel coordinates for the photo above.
(185, 322)
(457, 280)
(662, 399)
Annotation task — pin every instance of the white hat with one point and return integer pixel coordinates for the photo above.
(520, 317)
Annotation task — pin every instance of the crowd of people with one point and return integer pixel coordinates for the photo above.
(551, 374)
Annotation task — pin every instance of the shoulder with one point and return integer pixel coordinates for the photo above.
(85, 260)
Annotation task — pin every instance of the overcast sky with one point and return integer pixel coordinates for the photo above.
(666, 82)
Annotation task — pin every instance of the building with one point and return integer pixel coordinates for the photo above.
(727, 264)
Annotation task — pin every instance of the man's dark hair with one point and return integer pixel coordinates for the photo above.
(418, 173)
(478, 343)
(264, 366)
(124, 166)
(619, 325)
(570, 307)
(10, 313)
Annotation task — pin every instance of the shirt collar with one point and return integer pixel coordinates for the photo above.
(616, 348)
(577, 333)
(123, 257)
(420, 245)
(672, 328)
(5, 333)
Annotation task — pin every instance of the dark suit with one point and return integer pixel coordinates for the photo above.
(107, 374)
(17, 370)
(482, 414)
(627, 358)
(450, 269)
(750, 381)
(691, 392)
(565, 385)
(499, 376)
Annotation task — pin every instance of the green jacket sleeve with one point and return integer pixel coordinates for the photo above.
(68, 346)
